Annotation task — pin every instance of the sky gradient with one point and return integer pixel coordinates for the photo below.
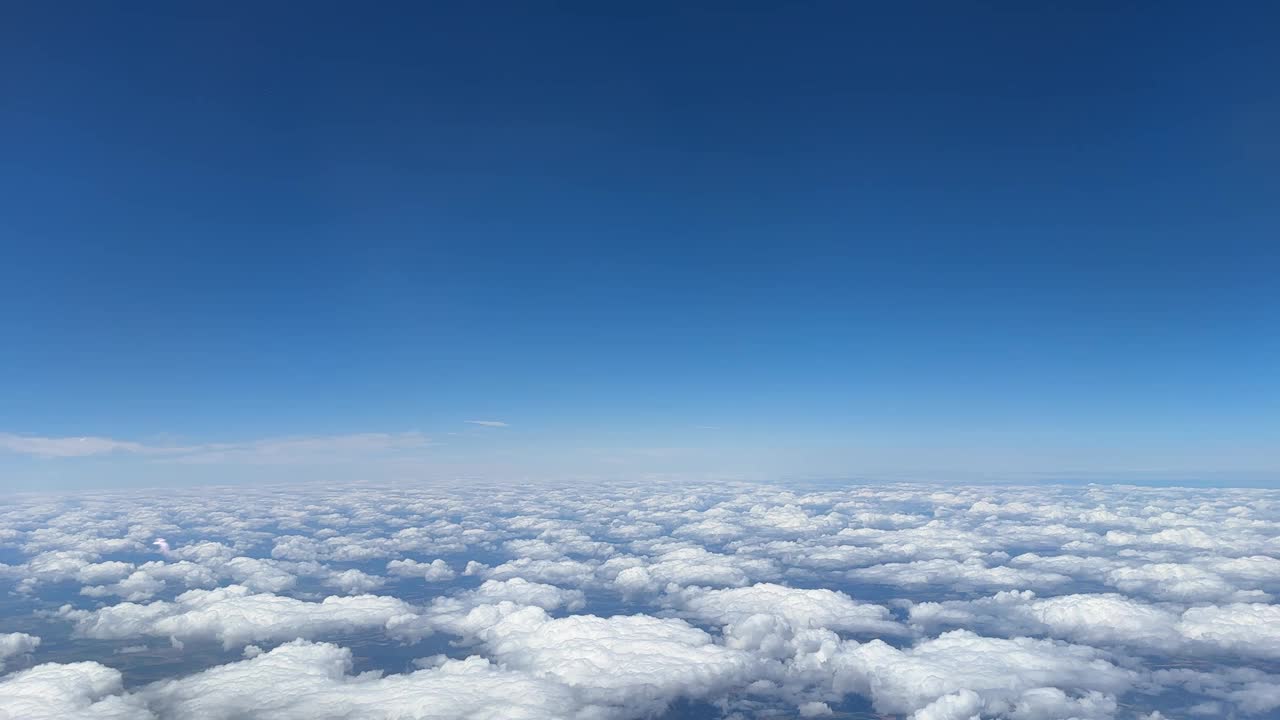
(243, 242)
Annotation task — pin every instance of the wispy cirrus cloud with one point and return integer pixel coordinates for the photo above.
(488, 423)
(287, 450)
(278, 450)
(56, 447)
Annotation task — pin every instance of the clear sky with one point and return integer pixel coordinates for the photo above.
(268, 239)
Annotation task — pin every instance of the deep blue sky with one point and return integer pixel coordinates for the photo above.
(848, 237)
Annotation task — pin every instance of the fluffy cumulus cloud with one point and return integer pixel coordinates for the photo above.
(72, 691)
(435, 571)
(1252, 629)
(661, 600)
(1103, 618)
(235, 615)
(313, 681)
(960, 674)
(819, 608)
(635, 662)
(15, 644)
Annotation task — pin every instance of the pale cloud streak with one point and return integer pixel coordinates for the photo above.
(56, 447)
(289, 450)
(281, 450)
(488, 423)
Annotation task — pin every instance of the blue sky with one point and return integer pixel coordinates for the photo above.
(724, 238)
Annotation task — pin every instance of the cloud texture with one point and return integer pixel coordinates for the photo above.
(729, 600)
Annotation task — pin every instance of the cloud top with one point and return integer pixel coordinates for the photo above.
(614, 601)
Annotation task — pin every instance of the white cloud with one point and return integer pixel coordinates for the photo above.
(523, 592)
(817, 608)
(312, 681)
(15, 644)
(435, 571)
(960, 671)
(683, 565)
(137, 586)
(284, 450)
(814, 708)
(64, 447)
(1252, 629)
(1178, 581)
(1109, 620)
(1097, 619)
(468, 613)
(353, 582)
(75, 691)
(305, 449)
(631, 661)
(234, 615)
(106, 572)
(488, 423)
(574, 573)
(970, 574)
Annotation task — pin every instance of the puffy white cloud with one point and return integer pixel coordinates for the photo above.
(296, 547)
(1106, 620)
(354, 582)
(435, 571)
(818, 608)
(814, 708)
(968, 575)
(259, 575)
(312, 681)
(234, 615)
(52, 566)
(960, 671)
(523, 592)
(634, 580)
(1251, 629)
(564, 571)
(1048, 703)
(105, 572)
(14, 644)
(633, 661)
(683, 565)
(144, 582)
(553, 545)
(1180, 582)
(138, 586)
(1096, 619)
(960, 705)
(74, 691)
(468, 613)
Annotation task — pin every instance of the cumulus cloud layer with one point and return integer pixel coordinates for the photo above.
(917, 601)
